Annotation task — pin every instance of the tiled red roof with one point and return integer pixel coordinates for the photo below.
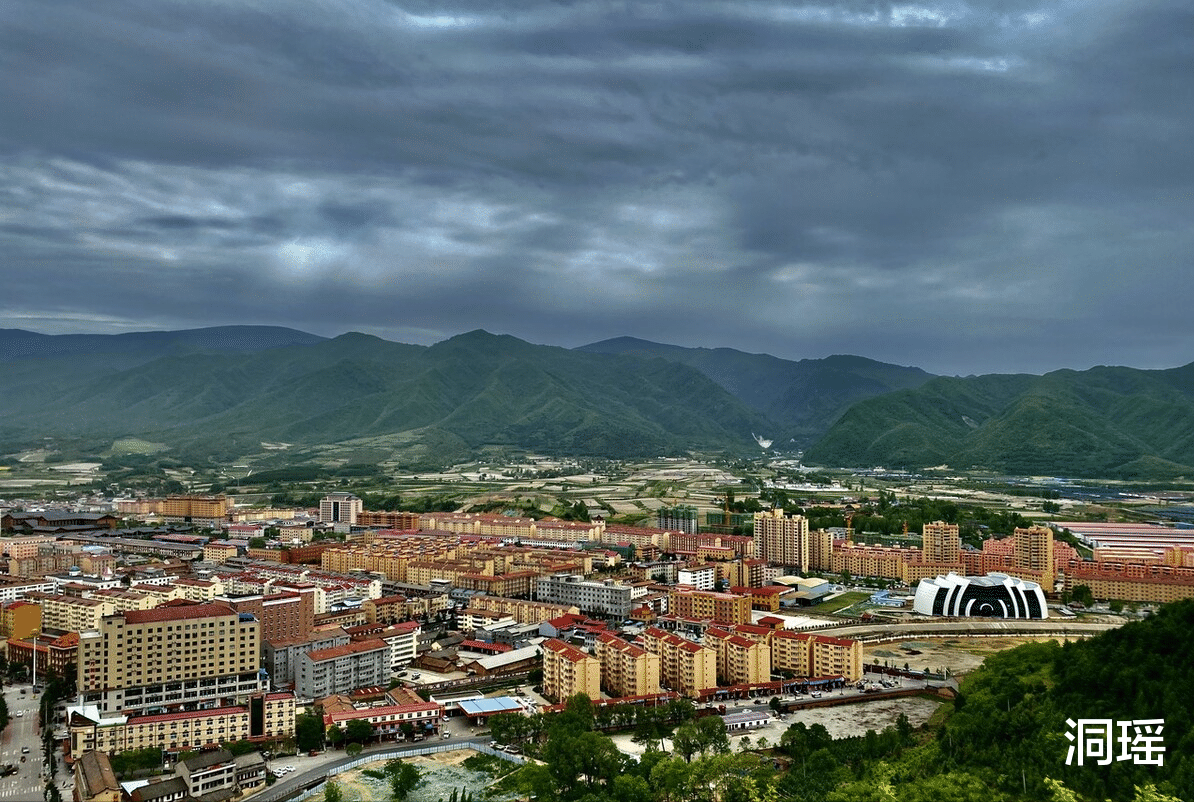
(219, 711)
(482, 646)
(344, 651)
(177, 613)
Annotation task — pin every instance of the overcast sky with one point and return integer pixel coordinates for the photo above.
(968, 187)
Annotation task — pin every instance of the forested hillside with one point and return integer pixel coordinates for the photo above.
(1109, 422)
(1002, 740)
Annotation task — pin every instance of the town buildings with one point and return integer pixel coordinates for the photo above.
(605, 597)
(568, 671)
(782, 540)
(170, 657)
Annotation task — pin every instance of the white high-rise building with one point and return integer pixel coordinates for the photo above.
(340, 510)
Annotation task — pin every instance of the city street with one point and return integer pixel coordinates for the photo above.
(21, 733)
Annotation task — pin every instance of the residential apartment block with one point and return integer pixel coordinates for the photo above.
(603, 598)
(721, 608)
(686, 667)
(341, 669)
(810, 655)
(568, 671)
(209, 511)
(186, 730)
(626, 669)
(740, 660)
(280, 658)
(782, 540)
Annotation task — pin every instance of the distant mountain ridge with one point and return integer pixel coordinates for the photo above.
(21, 344)
(1106, 421)
(803, 398)
(221, 393)
(466, 393)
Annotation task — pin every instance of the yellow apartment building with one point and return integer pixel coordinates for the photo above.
(568, 671)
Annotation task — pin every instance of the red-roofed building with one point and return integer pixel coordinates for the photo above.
(686, 667)
(342, 668)
(810, 655)
(626, 669)
(168, 656)
(568, 671)
(394, 721)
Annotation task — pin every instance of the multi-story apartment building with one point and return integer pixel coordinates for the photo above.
(940, 542)
(280, 658)
(208, 511)
(820, 550)
(626, 669)
(782, 540)
(568, 671)
(680, 518)
(515, 583)
(603, 598)
(721, 608)
(809, 655)
(16, 548)
(401, 521)
(13, 588)
(283, 616)
(1034, 553)
(887, 562)
(642, 538)
(71, 613)
(341, 669)
(403, 640)
(699, 577)
(1134, 582)
(522, 610)
(386, 610)
(400, 712)
(186, 730)
(173, 657)
(686, 667)
(740, 660)
(19, 619)
(219, 551)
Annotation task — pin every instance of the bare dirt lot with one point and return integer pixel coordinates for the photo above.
(958, 655)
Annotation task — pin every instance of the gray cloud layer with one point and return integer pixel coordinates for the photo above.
(968, 187)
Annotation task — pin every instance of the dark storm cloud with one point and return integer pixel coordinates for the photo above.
(963, 186)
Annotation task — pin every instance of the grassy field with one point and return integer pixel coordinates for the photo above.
(847, 599)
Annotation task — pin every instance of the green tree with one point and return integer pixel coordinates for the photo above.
(335, 735)
(353, 749)
(404, 778)
(257, 543)
(308, 732)
(332, 792)
(358, 730)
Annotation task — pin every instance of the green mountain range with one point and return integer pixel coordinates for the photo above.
(1106, 422)
(802, 398)
(223, 398)
(223, 392)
